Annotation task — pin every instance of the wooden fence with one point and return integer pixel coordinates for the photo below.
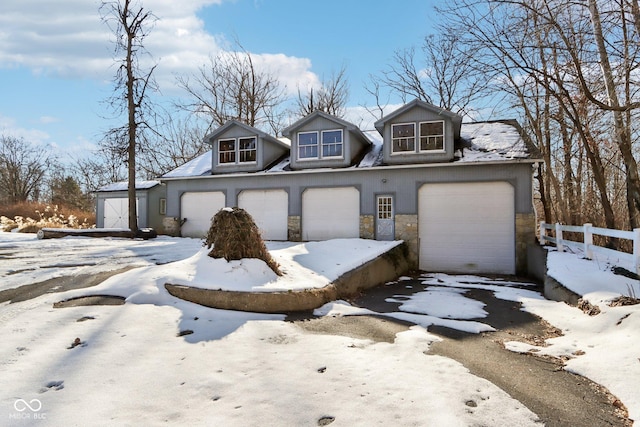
(588, 247)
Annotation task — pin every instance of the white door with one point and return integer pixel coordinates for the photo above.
(116, 212)
(467, 227)
(198, 208)
(269, 209)
(385, 222)
(330, 213)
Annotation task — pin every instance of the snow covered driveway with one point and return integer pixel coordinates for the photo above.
(160, 360)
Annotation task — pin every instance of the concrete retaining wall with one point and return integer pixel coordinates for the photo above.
(383, 269)
(537, 268)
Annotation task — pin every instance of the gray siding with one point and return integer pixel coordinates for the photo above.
(148, 206)
(317, 125)
(417, 115)
(267, 152)
(402, 181)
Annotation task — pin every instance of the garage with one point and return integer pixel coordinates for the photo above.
(330, 213)
(467, 227)
(198, 208)
(116, 212)
(269, 209)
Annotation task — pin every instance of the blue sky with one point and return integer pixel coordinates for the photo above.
(56, 60)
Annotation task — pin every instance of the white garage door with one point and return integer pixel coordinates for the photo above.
(467, 228)
(116, 212)
(198, 208)
(269, 209)
(330, 213)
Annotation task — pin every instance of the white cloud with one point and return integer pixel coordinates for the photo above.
(68, 38)
(48, 119)
(365, 117)
(8, 127)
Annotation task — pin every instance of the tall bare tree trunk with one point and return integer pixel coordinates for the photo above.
(622, 137)
(131, 122)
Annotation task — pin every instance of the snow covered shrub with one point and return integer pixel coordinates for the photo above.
(234, 235)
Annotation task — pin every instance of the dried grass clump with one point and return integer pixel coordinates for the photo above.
(48, 217)
(234, 235)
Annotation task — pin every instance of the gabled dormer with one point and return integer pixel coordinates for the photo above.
(321, 140)
(419, 132)
(237, 147)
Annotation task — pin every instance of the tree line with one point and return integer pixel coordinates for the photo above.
(568, 71)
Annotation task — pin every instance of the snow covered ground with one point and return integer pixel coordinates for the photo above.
(132, 364)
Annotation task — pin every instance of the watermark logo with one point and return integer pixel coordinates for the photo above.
(21, 405)
(28, 410)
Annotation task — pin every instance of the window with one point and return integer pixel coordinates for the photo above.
(385, 207)
(431, 136)
(227, 150)
(163, 206)
(244, 150)
(332, 143)
(403, 138)
(247, 147)
(308, 145)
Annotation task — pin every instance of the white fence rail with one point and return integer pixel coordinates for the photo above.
(587, 246)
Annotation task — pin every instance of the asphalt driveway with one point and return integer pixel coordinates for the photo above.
(558, 397)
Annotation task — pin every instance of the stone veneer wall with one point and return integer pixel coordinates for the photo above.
(525, 236)
(407, 230)
(367, 230)
(294, 234)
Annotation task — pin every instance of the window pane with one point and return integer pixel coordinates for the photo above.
(332, 143)
(403, 138)
(308, 145)
(310, 138)
(227, 150)
(431, 136)
(247, 149)
(385, 207)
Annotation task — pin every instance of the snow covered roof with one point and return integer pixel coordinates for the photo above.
(494, 141)
(483, 142)
(198, 166)
(124, 185)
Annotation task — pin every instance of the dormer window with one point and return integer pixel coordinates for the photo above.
(432, 136)
(320, 145)
(237, 150)
(332, 143)
(403, 138)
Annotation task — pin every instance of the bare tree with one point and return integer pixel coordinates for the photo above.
(331, 97)
(23, 169)
(232, 87)
(443, 73)
(569, 66)
(102, 167)
(178, 141)
(131, 24)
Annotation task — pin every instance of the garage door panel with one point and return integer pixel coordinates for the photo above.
(269, 209)
(116, 212)
(467, 228)
(330, 213)
(198, 208)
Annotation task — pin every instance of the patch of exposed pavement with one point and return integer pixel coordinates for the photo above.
(558, 397)
(57, 284)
